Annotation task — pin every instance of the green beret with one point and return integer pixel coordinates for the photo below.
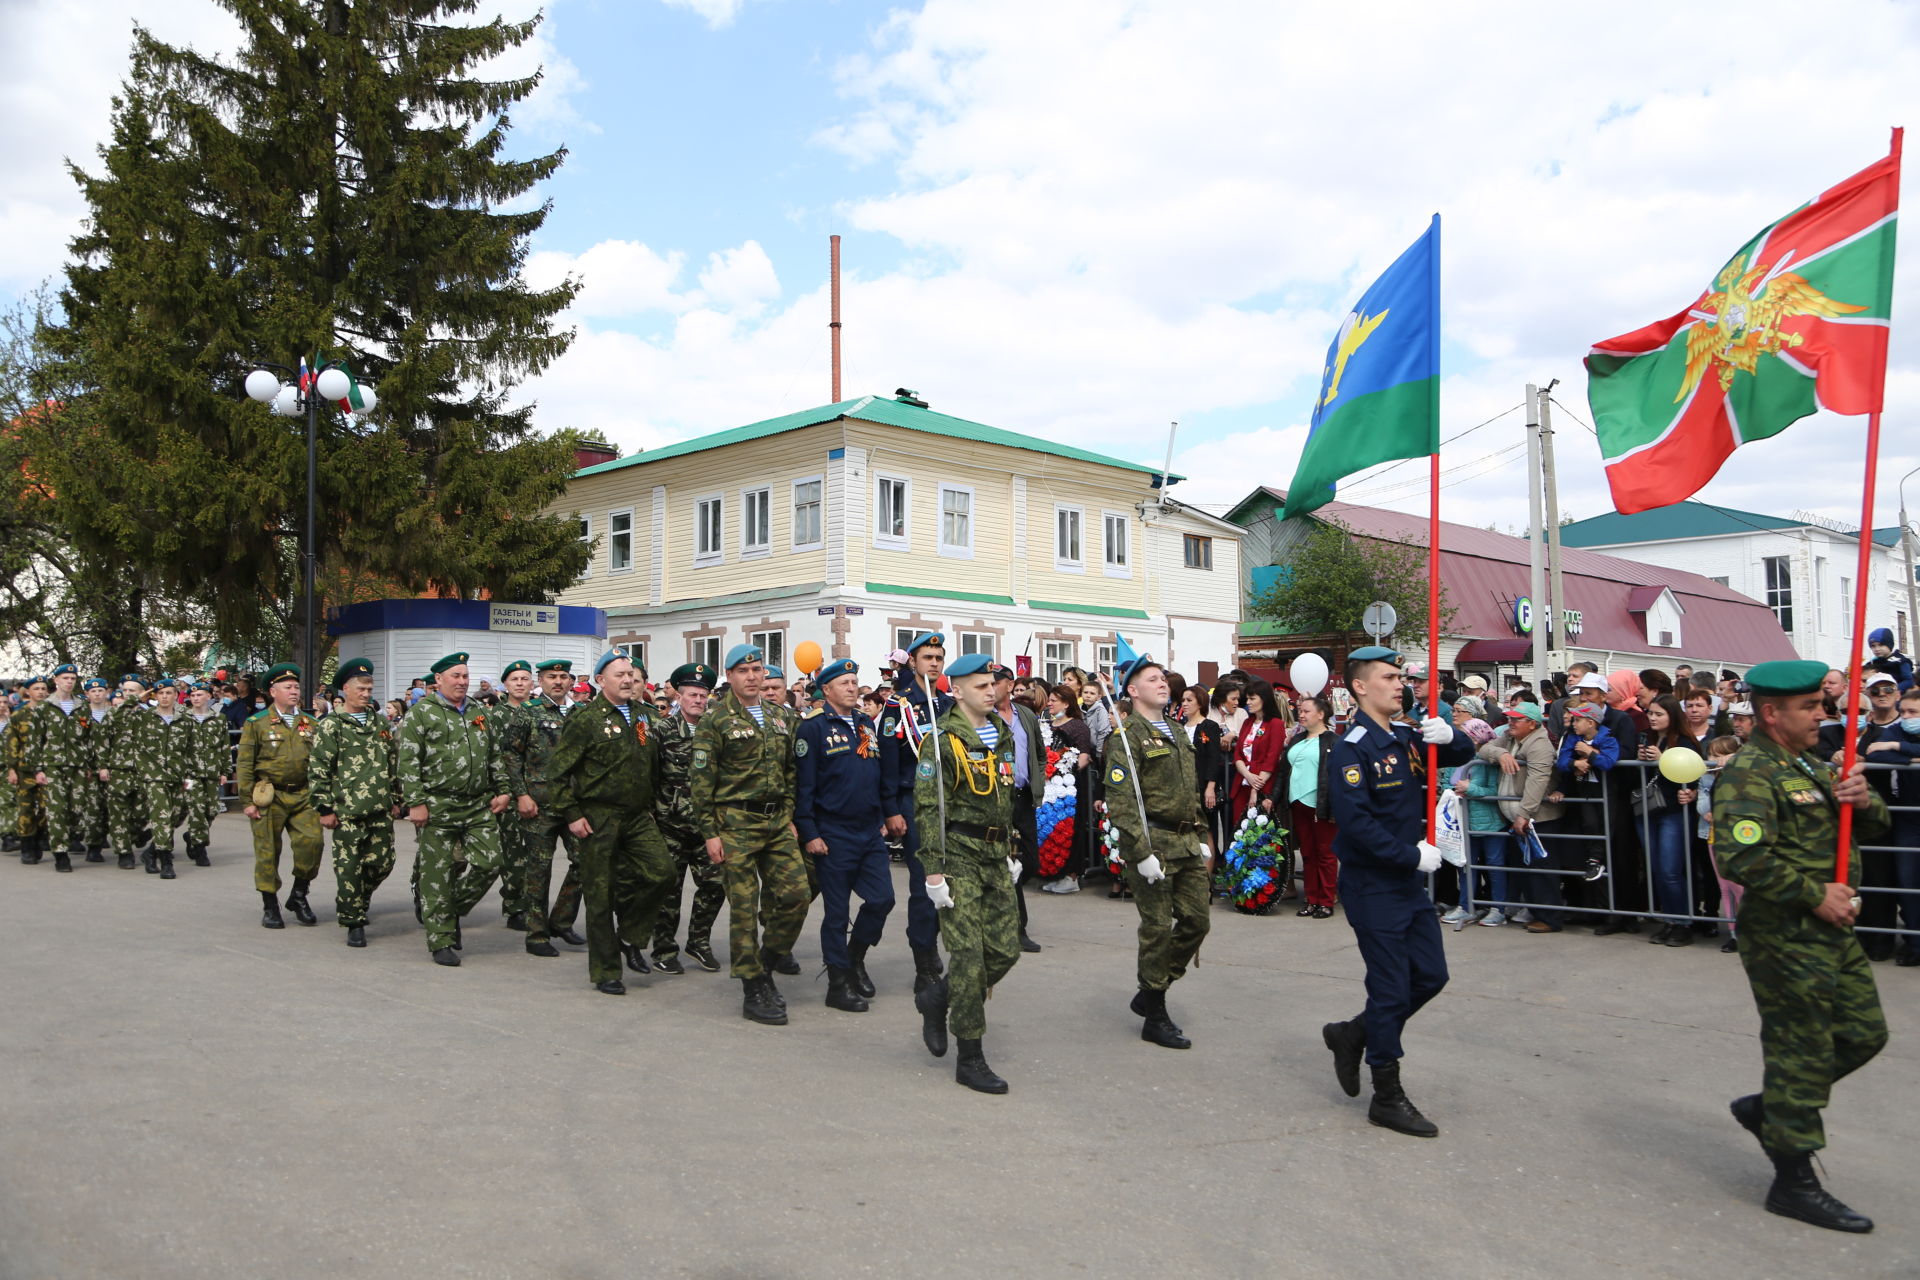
(451, 660)
(350, 668)
(1786, 678)
(278, 672)
(519, 665)
(555, 664)
(693, 673)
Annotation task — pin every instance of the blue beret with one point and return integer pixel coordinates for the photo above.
(66, 669)
(136, 677)
(1126, 673)
(1376, 653)
(834, 670)
(775, 673)
(606, 660)
(34, 680)
(93, 682)
(200, 686)
(970, 665)
(165, 682)
(744, 653)
(926, 638)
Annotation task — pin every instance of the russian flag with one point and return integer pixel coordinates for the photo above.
(306, 377)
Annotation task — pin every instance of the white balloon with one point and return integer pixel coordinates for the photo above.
(1308, 674)
(262, 386)
(333, 384)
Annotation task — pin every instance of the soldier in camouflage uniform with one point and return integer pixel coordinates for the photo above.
(673, 807)
(1150, 761)
(31, 823)
(203, 751)
(1776, 814)
(964, 801)
(118, 768)
(9, 801)
(58, 756)
(526, 747)
(100, 716)
(742, 785)
(603, 778)
(516, 683)
(453, 783)
(356, 793)
(773, 696)
(161, 771)
(272, 756)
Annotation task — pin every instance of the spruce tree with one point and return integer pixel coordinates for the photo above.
(332, 191)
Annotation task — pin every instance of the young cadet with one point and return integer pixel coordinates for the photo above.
(161, 773)
(742, 784)
(527, 748)
(908, 718)
(1155, 807)
(99, 696)
(30, 796)
(119, 770)
(673, 809)
(58, 756)
(836, 808)
(1776, 830)
(356, 793)
(203, 754)
(963, 796)
(1379, 772)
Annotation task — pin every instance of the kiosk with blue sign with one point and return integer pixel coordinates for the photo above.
(402, 638)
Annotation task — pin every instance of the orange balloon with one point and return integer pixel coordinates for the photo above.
(807, 656)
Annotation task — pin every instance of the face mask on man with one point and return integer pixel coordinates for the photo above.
(1911, 724)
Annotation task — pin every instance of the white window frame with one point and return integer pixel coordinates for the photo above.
(716, 554)
(704, 650)
(902, 637)
(771, 643)
(586, 536)
(888, 541)
(1078, 563)
(1846, 603)
(763, 494)
(636, 652)
(1104, 656)
(1055, 657)
(956, 550)
(613, 541)
(820, 513)
(1124, 567)
(982, 642)
(1196, 539)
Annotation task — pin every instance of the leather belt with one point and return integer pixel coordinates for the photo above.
(1176, 828)
(765, 808)
(980, 831)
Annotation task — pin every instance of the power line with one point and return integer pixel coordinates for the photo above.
(1391, 466)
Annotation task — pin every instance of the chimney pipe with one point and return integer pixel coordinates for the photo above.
(834, 323)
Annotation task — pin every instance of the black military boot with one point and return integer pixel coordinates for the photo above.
(61, 860)
(1348, 1040)
(419, 907)
(94, 854)
(517, 921)
(149, 861)
(758, 1004)
(972, 1069)
(165, 857)
(569, 937)
(702, 952)
(127, 863)
(9, 844)
(1751, 1116)
(542, 948)
(197, 853)
(636, 958)
(931, 1001)
(447, 956)
(926, 967)
(611, 987)
(357, 935)
(1159, 1028)
(1390, 1108)
(840, 992)
(767, 959)
(857, 971)
(270, 914)
(30, 850)
(296, 901)
(1797, 1193)
(785, 963)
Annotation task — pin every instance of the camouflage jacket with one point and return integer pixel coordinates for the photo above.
(1165, 772)
(525, 737)
(736, 761)
(58, 744)
(604, 762)
(979, 787)
(673, 802)
(19, 733)
(353, 766)
(447, 754)
(115, 749)
(1776, 827)
(270, 749)
(202, 745)
(155, 745)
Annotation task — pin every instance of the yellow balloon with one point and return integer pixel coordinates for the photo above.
(807, 656)
(1682, 765)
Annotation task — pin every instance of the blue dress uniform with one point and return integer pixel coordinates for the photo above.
(838, 799)
(899, 757)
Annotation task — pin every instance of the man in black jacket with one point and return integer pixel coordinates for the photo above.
(1029, 780)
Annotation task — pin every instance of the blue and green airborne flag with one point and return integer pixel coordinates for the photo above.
(1380, 394)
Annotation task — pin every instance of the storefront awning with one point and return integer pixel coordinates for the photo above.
(1517, 649)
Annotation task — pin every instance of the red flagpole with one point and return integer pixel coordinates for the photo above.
(1433, 631)
(1863, 575)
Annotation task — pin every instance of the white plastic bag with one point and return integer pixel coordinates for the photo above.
(1449, 827)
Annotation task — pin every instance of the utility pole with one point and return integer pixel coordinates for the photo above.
(1906, 546)
(1536, 571)
(1557, 613)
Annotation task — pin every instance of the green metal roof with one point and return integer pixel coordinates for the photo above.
(888, 412)
(1687, 519)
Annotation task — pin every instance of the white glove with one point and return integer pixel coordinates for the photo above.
(1149, 869)
(1429, 857)
(1436, 731)
(1013, 869)
(940, 895)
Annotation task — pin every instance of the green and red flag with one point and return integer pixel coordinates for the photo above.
(1795, 322)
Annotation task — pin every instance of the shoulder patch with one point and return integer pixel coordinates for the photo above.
(258, 715)
(1747, 831)
(1356, 734)
(1351, 775)
(926, 769)
(799, 745)
(1117, 774)
(700, 757)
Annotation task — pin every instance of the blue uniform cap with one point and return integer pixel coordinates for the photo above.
(744, 653)
(1376, 653)
(606, 660)
(136, 677)
(66, 669)
(92, 682)
(165, 682)
(834, 670)
(775, 673)
(926, 638)
(970, 664)
(34, 680)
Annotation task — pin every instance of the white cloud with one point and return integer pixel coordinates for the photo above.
(741, 278)
(618, 278)
(717, 13)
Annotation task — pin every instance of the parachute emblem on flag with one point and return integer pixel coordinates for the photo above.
(1740, 321)
(1354, 333)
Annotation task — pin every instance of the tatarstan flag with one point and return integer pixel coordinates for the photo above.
(1796, 321)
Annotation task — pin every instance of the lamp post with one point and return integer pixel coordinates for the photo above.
(1906, 543)
(330, 380)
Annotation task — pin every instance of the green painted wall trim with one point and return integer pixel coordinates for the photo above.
(976, 597)
(1098, 610)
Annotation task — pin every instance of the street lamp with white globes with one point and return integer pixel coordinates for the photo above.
(303, 394)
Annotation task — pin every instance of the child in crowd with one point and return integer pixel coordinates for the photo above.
(1719, 751)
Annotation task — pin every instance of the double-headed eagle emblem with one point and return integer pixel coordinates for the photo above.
(1740, 320)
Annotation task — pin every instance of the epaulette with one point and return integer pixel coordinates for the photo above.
(261, 715)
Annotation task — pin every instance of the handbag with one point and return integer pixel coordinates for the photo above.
(1649, 800)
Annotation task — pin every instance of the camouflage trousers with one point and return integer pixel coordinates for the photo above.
(709, 895)
(96, 812)
(516, 856)
(1820, 1017)
(457, 862)
(289, 813)
(166, 809)
(1174, 917)
(981, 930)
(66, 797)
(763, 871)
(127, 813)
(30, 806)
(203, 806)
(362, 861)
(540, 835)
(625, 874)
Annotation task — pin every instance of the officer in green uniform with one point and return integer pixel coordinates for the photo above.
(453, 783)
(742, 784)
(1776, 814)
(99, 696)
(58, 755)
(204, 752)
(516, 683)
(602, 781)
(527, 748)
(963, 799)
(356, 792)
(31, 797)
(1149, 763)
(270, 774)
(673, 808)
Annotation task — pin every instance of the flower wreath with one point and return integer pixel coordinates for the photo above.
(1251, 870)
(1054, 818)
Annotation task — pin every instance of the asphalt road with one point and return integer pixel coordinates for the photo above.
(185, 1094)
